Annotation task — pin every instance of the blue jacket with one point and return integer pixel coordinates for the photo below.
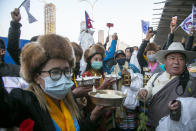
(109, 56)
(110, 53)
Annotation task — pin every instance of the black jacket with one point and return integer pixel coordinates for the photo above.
(20, 105)
(9, 70)
(188, 45)
(13, 41)
(168, 42)
(140, 55)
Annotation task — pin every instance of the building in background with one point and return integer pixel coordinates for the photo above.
(122, 45)
(101, 36)
(50, 18)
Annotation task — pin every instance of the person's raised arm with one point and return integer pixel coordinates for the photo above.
(189, 44)
(142, 47)
(14, 36)
(170, 36)
(112, 49)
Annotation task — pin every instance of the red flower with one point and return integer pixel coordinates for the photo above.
(110, 25)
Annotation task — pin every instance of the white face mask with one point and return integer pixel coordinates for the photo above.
(57, 89)
(151, 58)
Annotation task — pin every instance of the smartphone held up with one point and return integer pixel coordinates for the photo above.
(152, 31)
(174, 20)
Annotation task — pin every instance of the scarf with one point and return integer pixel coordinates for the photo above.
(152, 68)
(61, 117)
(74, 79)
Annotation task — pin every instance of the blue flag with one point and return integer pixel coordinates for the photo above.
(26, 5)
(145, 25)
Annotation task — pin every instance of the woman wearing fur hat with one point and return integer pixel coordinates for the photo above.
(46, 66)
(146, 55)
(94, 56)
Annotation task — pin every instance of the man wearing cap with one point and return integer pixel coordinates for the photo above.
(165, 87)
(130, 83)
(121, 60)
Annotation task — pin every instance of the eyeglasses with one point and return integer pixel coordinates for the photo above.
(56, 73)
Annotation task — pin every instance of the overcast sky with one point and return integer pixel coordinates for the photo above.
(125, 14)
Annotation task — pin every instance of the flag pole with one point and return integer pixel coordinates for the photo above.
(21, 4)
(108, 31)
(177, 28)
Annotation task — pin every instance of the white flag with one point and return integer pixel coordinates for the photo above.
(26, 5)
(187, 24)
(194, 15)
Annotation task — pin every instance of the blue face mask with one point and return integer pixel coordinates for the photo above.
(151, 58)
(121, 61)
(96, 65)
(57, 89)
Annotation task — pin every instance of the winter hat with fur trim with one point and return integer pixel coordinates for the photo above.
(77, 49)
(94, 49)
(151, 47)
(35, 55)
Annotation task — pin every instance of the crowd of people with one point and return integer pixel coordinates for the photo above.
(154, 78)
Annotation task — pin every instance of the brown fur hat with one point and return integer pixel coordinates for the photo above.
(77, 49)
(94, 49)
(151, 47)
(35, 55)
